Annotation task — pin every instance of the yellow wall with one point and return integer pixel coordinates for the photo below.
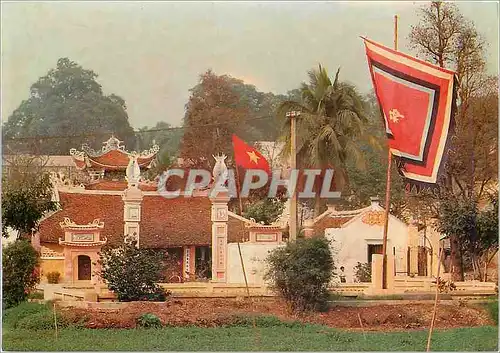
(51, 265)
(54, 247)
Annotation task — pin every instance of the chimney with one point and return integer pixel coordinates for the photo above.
(375, 201)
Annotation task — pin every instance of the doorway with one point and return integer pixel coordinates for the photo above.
(84, 268)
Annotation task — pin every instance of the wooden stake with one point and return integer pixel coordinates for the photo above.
(388, 187)
(239, 248)
(55, 319)
(361, 324)
(431, 328)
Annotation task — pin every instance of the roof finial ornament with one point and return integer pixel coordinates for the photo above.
(133, 172)
(220, 172)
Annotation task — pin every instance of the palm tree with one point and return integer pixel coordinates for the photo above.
(332, 120)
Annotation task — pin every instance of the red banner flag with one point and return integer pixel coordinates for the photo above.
(248, 157)
(417, 100)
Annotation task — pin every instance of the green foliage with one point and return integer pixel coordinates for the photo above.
(301, 272)
(363, 272)
(19, 272)
(492, 308)
(267, 210)
(34, 317)
(67, 101)
(302, 338)
(475, 229)
(26, 196)
(35, 295)
(132, 273)
(13, 315)
(332, 120)
(53, 277)
(266, 321)
(149, 320)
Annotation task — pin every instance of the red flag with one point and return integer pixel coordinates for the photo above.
(248, 157)
(417, 100)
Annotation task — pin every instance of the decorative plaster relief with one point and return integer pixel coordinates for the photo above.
(374, 218)
(266, 237)
(82, 237)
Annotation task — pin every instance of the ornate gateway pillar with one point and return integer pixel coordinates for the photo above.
(219, 236)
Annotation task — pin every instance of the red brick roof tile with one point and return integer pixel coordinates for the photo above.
(82, 209)
(164, 222)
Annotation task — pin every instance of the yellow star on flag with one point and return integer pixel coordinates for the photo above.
(253, 157)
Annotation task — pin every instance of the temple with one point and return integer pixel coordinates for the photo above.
(115, 203)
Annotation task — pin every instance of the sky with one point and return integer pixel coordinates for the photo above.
(152, 53)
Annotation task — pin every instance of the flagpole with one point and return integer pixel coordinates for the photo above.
(293, 154)
(388, 186)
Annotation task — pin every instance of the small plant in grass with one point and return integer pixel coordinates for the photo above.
(133, 273)
(301, 272)
(53, 277)
(363, 272)
(149, 321)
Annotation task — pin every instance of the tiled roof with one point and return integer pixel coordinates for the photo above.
(117, 185)
(82, 209)
(329, 222)
(164, 222)
(117, 160)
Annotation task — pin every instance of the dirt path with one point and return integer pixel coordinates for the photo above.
(216, 312)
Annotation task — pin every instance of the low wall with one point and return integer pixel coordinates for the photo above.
(254, 256)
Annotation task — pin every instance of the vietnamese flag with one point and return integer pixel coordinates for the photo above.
(248, 157)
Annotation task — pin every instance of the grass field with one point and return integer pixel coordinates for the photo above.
(270, 336)
(307, 338)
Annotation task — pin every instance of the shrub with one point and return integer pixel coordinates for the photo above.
(12, 315)
(133, 273)
(363, 272)
(301, 272)
(20, 273)
(149, 321)
(53, 277)
(35, 295)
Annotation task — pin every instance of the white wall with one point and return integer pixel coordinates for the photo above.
(254, 255)
(350, 244)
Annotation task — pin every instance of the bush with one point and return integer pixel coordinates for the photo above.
(35, 295)
(301, 272)
(20, 273)
(363, 272)
(149, 321)
(53, 277)
(133, 273)
(12, 315)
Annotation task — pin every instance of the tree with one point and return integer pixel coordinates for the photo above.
(301, 272)
(446, 38)
(266, 211)
(26, 194)
(476, 229)
(332, 120)
(213, 114)
(67, 101)
(132, 273)
(19, 272)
